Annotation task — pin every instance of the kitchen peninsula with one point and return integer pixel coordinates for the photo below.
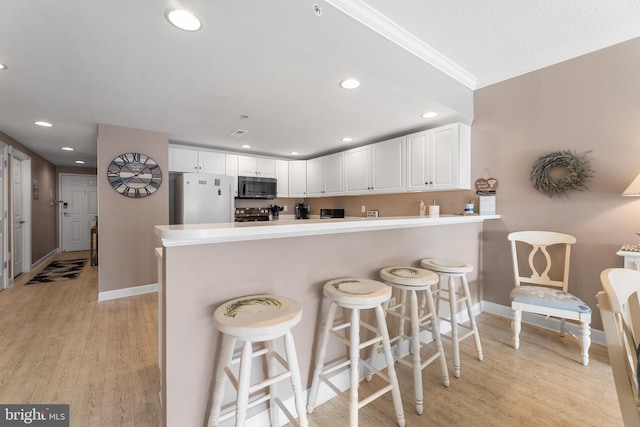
(202, 266)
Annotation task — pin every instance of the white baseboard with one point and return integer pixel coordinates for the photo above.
(550, 323)
(127, 292)
(44, 259)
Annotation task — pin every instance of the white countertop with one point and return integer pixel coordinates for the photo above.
(197, 234)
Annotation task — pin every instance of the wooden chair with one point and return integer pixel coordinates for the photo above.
(545, 295)
(619, 306)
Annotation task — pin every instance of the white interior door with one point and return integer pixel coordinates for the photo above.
(78, 210)
(17, 208)
(3, 218)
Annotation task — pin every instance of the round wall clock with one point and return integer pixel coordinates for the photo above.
(134, 175)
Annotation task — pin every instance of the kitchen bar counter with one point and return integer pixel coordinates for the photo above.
(202, 266)
(197, 234)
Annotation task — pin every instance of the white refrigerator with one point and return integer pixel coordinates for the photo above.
(203, 198)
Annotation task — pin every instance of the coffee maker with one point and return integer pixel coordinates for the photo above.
(302, 211)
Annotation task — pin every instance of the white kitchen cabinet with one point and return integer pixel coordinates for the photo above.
(315, 177)
(231, 161)
(298, 178)
(439, 159)
(282, 176)
(256, 166)
(388, 171)
(357, 170)
(376, 168)
(193, 160)
(325, 175)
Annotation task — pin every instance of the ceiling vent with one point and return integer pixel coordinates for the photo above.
(238, 133)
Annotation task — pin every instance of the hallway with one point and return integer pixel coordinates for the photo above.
(59, 345)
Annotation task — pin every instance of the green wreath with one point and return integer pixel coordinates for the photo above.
(577, 165)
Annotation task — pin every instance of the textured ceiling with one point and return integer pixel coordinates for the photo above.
(78, 63)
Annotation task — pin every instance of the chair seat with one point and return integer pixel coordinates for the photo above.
(447, 266)
(548, 297)
(257, 317)
(357, 293)
(409, 276)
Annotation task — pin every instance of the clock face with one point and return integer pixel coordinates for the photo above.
(134, 175)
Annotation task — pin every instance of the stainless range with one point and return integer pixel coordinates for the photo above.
(252, 214)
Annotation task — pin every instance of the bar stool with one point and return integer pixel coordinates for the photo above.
(257, 319)
(449, 270)
(413, 280)
(356, 294)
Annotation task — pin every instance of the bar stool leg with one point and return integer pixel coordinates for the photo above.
(296, 382)
(273, 388)
(435, 332)
(472, 319)
(401, 325)
(315, 384)
(391, 372)
(354, 352)
(244, 383)
(221, 378)
(454, 327)
(415, 351)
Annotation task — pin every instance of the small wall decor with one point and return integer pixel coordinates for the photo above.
(577, 165)
(35, 191)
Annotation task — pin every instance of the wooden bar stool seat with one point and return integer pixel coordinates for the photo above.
(356, 294)
(257, 319)
(449, 270)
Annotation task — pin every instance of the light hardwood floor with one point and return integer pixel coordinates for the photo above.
(59, 345)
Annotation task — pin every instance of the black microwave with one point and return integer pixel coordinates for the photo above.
(253, 187)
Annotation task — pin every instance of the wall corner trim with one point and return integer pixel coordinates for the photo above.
(127, 292)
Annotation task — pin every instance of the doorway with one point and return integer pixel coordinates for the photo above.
(78, 210)
(20, 213)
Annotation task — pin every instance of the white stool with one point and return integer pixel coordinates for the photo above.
(257, 319)
(448, 270)
(356, 294)
(412, 280)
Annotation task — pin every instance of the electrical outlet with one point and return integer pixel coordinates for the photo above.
(363, 209)
(284, 208)
(392, 302)
(372, 214)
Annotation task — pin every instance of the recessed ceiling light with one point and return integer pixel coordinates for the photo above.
(43, 124)
(347, 139)
(429, 115)
(80, 162)
(245, 146)
(349, 84)
(67, 148)
(3, 67)
(294, 153)
(183, 19)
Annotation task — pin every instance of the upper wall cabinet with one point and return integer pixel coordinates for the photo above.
(376, 168)
(325, 175)
(282, 177)
(298, 178)
(256, 166)
(439, 159)
(193, 160)
(388, 166)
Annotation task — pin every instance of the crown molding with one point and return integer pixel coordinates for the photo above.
(379, 23)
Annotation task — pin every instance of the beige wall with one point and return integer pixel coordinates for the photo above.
(44, 236)
(126, 234)
(588, 103)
